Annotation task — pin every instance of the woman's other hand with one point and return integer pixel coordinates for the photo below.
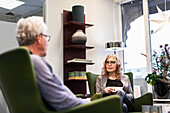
(109, 89)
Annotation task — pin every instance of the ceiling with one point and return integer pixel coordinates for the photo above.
(30, 8)
(35, 8)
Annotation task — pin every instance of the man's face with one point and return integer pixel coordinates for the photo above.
(43, 46)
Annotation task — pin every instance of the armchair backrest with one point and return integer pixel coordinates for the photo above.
(18, 82)
(91, 78)
(130, 74)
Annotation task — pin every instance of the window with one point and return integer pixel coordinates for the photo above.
(159, 30)
(134, 38)
(133, 33)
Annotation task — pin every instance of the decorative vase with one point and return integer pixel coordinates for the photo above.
(161, 90)
(78, 13)
(79, 38)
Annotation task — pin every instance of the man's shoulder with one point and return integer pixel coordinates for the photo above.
(36, 58)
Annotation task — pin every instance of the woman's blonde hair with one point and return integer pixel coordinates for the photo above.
(118, 66)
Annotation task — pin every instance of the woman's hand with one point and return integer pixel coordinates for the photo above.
(109, 89)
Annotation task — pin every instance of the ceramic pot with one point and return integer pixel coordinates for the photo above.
(78, 13)
(161, 90)
(79, 38)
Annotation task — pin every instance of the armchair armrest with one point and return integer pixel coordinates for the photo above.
(79, 95)
(96, 96)
(110, 104)
(146, 99)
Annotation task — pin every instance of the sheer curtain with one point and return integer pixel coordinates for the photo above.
(132, 10)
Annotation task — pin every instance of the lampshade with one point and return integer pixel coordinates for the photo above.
(114, 46)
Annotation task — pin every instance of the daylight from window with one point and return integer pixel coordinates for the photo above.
(134, 61)
(160, 35)
(134, 54)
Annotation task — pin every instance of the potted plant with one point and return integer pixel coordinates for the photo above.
(160, 75)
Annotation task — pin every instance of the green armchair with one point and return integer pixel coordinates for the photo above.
(20, 89)
(146, 99)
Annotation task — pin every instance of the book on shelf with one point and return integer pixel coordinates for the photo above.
(78, 60)
(77, 78)
(77, 75)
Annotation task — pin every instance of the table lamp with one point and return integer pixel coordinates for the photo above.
(114, 46)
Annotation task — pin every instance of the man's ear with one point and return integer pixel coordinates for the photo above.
(38, 39)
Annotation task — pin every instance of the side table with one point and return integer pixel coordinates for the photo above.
(165, 103)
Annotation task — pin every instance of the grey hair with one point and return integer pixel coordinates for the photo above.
(28, 28)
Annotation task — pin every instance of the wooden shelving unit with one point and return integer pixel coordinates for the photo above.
(77, 85)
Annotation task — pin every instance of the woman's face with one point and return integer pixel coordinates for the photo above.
(111, 64)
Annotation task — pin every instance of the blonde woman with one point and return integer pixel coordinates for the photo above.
(113, 82)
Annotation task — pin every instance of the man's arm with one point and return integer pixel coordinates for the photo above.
(53, 91)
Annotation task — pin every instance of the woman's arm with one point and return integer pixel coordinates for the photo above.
(99, 85)
(129, 92)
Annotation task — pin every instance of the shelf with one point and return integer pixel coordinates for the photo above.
(79, 63)
(78, 24)
(78, 47)
(77, 78)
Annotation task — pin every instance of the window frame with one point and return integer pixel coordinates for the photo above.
(147, 37)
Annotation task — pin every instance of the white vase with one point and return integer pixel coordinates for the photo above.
(79, 38)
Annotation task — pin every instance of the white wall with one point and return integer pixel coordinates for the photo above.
(7, 36)
(7, 42)
(98, 12)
